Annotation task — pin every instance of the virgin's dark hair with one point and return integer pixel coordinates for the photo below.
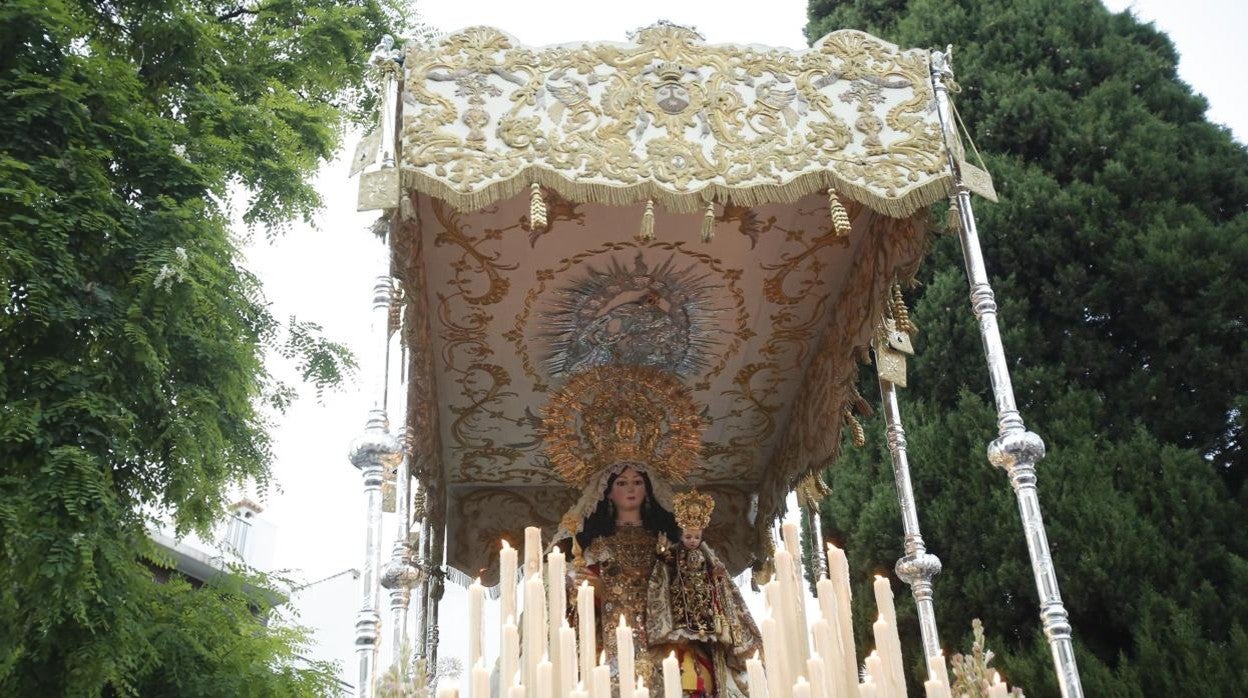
(654, 518)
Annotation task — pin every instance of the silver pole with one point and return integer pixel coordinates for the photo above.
(917, 567)
(372, 452)
(1015, 450)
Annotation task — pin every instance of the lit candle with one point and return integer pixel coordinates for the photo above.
(509, 656)
(843, 627)
(801, 689)
(585, 614)
(757, 677)
(480, 679)
(534, 628)
(875, 670)
(933, 688)
(556, 610)
(795, 646)
(937, 669)
(506, 583)
(545, 678)
(891, 679)
(567, 659)
(884, 599)
(671, 677)
(866, 689)
(532, 551)
(641, 691)
(516, 691)
(998, 688)
(773, 652)
(624, 654)
(476, 603)
(579, 691)
(602, 678)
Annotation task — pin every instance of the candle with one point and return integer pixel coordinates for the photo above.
(509, 656)
(866, 689)
(448, 692)
(480, 685)
(534, 628)
(884, 599)
(585, 614)
(843, 628)
(818, 678)
(998, 688)
(801, 689)
(796, 648)
(773, 651)
(933, 688)
(602, 678)
(671, 677)
(624, 654)
(532, 551)
(641, 691)
(556, 610)
(545, 678)
(579, 691)
(516, 691)
(757, 677)
(506, 583)
(937, 669)
(875, 670)
(567, 659)
(476, 604)
(892, 679)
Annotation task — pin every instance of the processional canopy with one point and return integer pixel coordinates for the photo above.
(661, 203)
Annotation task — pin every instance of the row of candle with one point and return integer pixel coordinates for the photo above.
(550, 666)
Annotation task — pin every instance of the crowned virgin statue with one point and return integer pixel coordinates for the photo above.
(624, 434)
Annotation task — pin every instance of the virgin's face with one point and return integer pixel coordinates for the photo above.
(628, 491)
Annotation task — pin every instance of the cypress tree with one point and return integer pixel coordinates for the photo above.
(1115, 254)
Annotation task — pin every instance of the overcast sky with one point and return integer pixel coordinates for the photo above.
(324, 274)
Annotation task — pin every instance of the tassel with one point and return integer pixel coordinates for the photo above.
(901, 316)
(840, 217)
(708, 222)
(855, 427)
(647, 222)
(953, 219)
(537, 209)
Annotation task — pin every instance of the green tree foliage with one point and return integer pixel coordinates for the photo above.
(131, 339)
(1116, 253)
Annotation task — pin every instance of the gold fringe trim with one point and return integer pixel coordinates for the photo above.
(708, 222)
(903, 205)
(840, 217)
(647, 223)
(953, 219)
(901, 316)
(855, 428)
(537, 209)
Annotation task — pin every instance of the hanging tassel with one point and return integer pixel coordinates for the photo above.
(901, 316)
(647, 222)
(840, 217)
(953, 219)
(855, 427)
(537, 209)
(708, 222)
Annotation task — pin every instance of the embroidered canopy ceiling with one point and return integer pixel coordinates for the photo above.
(765, 321)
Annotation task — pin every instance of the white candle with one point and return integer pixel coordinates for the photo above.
(567, 659)
(773, 652)
(998, 688)
(757, 677)
(933, 688)
(534, 628)
(801, 689)
(671, 677)
(866, 689)
(884, 599)
(509, 655)
(532, 551)
(556, 610)
(480, 679)
(795, 646)
(516, 691)
(818, 677)
(602, 678)
(875, 670)
(586, 635)
(506, 583)
(641, 691)
(476, 634)
(624, 654)
(579, 691)
(892, 680)
(448, 692)
(937, 669)
(545, 678)
(838, 578)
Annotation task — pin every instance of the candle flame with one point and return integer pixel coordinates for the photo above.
(602, 658)
(875, 653)
(672, 655)
(623, 621)
(996, 677)
(478, 582)
(755, 655)
(585, 584)
(506, 545)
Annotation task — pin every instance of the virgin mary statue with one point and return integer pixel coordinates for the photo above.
(623, 434)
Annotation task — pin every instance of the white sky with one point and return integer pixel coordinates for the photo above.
(324, 274)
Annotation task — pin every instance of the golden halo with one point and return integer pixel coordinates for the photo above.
(622, 414)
